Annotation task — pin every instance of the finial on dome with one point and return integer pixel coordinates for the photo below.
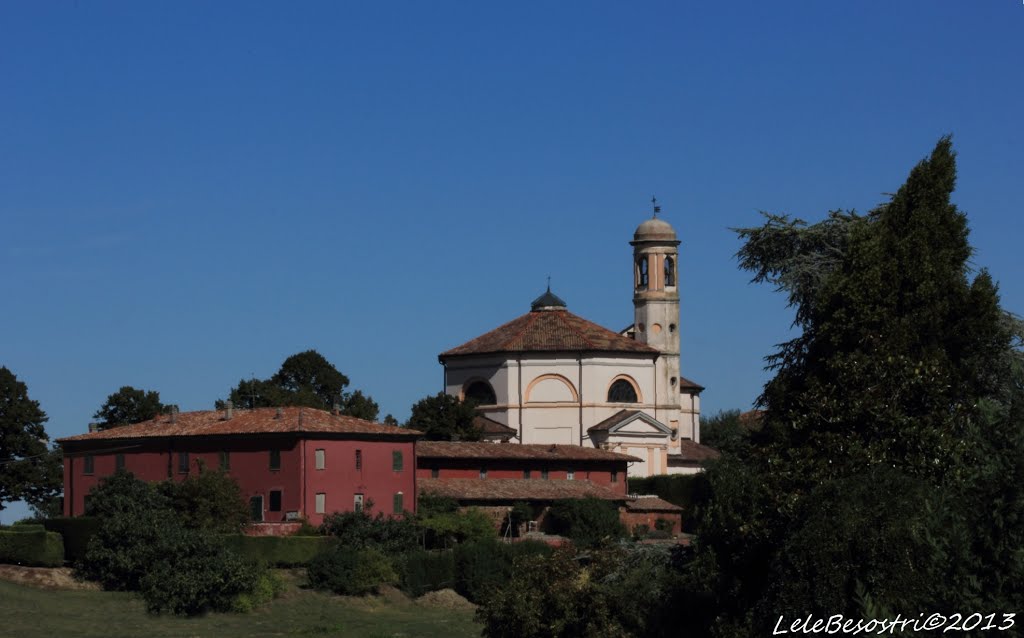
(654, 204)
(548, 301)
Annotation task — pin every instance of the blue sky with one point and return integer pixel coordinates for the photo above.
(192, 191)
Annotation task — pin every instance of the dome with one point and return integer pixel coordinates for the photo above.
(654, 229)
(547, 301)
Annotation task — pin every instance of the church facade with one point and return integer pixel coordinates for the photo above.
(555, 378)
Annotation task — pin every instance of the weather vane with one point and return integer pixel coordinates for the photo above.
(549, 283)
(654, 203)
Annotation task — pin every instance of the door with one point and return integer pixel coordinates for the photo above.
(256, 508)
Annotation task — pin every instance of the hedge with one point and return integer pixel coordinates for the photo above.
(424, 571)
(76, 530)
(23, 527)
(278, 551)
(38, 548)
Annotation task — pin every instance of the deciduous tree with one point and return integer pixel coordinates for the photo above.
(129, 405)
(28, 468)
(442, 417)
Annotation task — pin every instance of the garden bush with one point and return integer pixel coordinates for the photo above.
(76, 530)
(351, 571)
(442, 530)
(392, 535)
(483, 566)
(425, 571)
(278, 551)
(34, 546)
(198, 574)
(589, 522)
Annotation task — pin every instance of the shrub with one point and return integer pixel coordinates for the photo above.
(445, 529)
(197, 575)
(33, 546)
(350, 571)
(425, 571)
(277, 551)
(589, 522)
(268, 587)
(209, 499)
(76, 530)
(392, 535)
(483, 566)
(24, 525)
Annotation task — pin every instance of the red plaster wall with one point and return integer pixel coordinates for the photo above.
(340, 481)
(632, 519)
(598, 473)
(250, 467)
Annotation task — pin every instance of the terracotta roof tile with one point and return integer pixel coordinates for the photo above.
(490, 426)
(510, 490)
(515, 451)
(258, 421)
(612, 421)
(651, 504)
(686, 384)
(691, 452)
(549, 331)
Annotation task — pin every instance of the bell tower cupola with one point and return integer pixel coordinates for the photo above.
(656, 299)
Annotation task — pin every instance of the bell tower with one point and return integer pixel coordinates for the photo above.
(656, 308)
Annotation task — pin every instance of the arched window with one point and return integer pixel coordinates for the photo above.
(641, 269)
(670, 271)
(622, 391)
(480, 393)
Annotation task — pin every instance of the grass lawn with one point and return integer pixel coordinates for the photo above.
(26, 612)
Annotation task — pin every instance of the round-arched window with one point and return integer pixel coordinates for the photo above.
(641, 269)
(670, 271)
(481, 393)
(622, 391)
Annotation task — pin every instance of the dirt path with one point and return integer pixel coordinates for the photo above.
(44, 577)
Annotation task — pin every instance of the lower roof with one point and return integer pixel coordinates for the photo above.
(692, 452)
(515, 451)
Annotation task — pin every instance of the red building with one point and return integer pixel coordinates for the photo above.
(489, 461)
(289, 462)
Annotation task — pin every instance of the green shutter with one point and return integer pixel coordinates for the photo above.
(399, 502)
(397, 461)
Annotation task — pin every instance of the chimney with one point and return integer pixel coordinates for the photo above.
(336, 409)
(278, 413)
(94, 427)
(229, 410)
(174, 414)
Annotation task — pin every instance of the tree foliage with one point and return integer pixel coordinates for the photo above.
(29, 470)
(163, 540)
(129, 405)
(904, 361)
(442, 417)
(210, 500)
(589, 522)
(304, 379)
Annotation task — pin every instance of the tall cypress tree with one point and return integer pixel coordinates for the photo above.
(896, 342)
(895, 386)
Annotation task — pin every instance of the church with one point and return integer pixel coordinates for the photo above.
(552, 377)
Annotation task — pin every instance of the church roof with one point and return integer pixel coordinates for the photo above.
(549, 329)
(691, 452)
(489, 426)
(625, 416)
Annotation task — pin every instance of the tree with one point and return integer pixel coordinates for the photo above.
(209, 500)
(27, 467)
(304, 379)
(443, 417)
(129, 405)
(900, 349)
